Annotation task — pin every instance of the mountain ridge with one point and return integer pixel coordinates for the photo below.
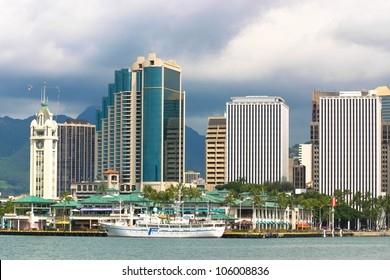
(15, 151)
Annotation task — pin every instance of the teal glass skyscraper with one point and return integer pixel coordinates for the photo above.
(140, 128)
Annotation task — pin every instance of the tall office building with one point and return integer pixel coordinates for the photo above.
(384, 93)
(140, 128)
(314, 134)
(347, 147)
(76, 153)
(43, 152)
(257, 139)
(215, 152)
(385, 157)
(305, 157)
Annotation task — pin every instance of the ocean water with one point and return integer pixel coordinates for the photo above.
(105, 248)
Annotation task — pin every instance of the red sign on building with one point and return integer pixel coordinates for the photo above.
(334, 200)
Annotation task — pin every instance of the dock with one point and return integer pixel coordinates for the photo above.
(55, 232)
(295, 234)
(227, 234)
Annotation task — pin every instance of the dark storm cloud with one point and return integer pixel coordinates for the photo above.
(209, 98)
(225, 49)
(189, 30)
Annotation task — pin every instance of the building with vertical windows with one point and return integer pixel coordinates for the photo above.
(43, 152)
(215, 152)
(140, 127)
(314, 134)
(76, 154)
(299, 179)
(384, 93)
(257, 133)
(191, 176)
(305, 159)
(385, 157)
(347, 146)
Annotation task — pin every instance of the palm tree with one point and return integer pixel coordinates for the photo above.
(102, 188)
(149, 192)
(193, 193)
(175, 192)
(357, 202)
(283, 201)
(66, 198)
(380, 205)
(230, 200)
(259, 202)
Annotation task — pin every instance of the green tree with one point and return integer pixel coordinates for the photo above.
(102, 188)
(258, 201)
(193, 194)
(66, 198)
(7, 207)
(356, 203)
(230, 199)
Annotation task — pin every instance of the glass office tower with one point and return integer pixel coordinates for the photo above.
(140, 129)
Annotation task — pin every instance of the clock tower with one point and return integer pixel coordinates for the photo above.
(43, 152)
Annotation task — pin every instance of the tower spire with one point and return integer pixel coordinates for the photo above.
(44, 101)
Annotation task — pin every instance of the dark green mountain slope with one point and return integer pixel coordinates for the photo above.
(15, 153)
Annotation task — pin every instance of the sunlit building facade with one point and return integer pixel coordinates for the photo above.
(43, 152)
(215, 152)
(349, 143)
(257, 133)
(140, 130)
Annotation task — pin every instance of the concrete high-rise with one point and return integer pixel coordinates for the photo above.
(305, 159)
(76, 153)
(43, 152)
(384, 93)
(257, 139)
(140, 128)
(346, 138)
(215, 152)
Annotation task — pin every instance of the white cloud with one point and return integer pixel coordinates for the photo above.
(281, 47)
(301, 39)
(27, 107)
(199, 122)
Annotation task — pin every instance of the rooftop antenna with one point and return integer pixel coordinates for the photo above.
(44, 98)
(44, 101)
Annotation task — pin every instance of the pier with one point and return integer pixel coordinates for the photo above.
(227, 234)
(54, 232)
(294, 234)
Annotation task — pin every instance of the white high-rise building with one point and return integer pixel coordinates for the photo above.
(257, 139)
(349, 143)
(43, 152)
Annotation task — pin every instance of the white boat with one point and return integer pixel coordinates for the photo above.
(154, 226)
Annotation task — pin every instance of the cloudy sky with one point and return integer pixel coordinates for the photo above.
(225, 49)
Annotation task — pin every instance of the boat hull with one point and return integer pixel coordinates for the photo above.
(157, 231)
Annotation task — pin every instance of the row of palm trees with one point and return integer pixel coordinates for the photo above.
(372, 212)
(351, 210)
(172, 193)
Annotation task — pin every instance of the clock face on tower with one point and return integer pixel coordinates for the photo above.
(39, 144)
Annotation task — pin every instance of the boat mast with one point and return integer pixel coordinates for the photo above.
(120, 210)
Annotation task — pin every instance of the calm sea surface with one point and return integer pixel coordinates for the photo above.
(104, 248)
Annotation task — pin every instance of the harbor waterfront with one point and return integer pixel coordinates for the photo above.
(102, 248)
(227, 234)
